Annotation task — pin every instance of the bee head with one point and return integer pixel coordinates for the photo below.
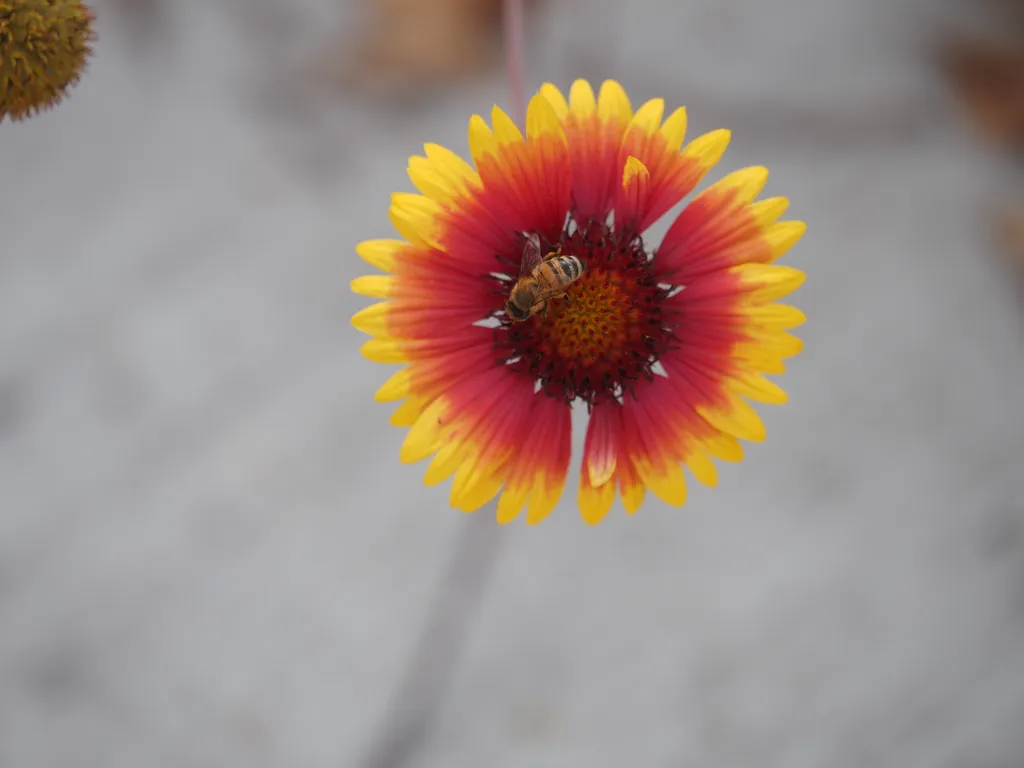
(516, 313)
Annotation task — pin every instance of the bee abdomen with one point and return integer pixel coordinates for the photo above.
(571, 265)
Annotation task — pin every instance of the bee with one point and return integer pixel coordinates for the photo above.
(541, 278)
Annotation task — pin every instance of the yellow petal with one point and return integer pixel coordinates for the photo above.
(763, 358)
(505, 130)
(648, 117)
(416, 218)
(397, 387)
(380, 253)
(702, 467)
(453, 167)
(783, 236)
(374, 286)
(745, 183)
(555, 98)
(446, 461)
(709, 148)
(595, 503)
(780, 317)
(768, 211)
(442, 175)
(543, 500)
(724, 447)
(476, 482)
(668, 483)
(632, 497)
(771, 280)
(406, 414)
(428, 181)
(737, 418)
(756, 387)
(463, 475)
(778, 344)
(674, 129)
(372, 319)
(601, 474)
(613, 103)
(424, 437)
(541, 119)
(481, 492)
(767, 364)
(511, 503)
(481, 139)
(634, 170)
(384, 350)
(581, 99)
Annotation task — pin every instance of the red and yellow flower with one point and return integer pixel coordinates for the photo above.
(664, 345)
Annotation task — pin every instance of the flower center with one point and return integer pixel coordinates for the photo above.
(594, 320)
(606, 332)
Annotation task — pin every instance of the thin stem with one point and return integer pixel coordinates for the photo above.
(513, 11)
(418, 696)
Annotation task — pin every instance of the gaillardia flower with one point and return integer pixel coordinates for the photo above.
(44, 45)
(661, 343)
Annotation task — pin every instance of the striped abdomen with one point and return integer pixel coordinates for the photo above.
(558, 272)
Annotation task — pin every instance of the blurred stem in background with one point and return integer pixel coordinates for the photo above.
(419, 695)
(513, 27)
(434, 659)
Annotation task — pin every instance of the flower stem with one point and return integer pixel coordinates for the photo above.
(513, 11)
(419, 694)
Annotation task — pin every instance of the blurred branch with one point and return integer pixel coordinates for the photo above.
(513, 23)
(1009, 226)
(435, 657)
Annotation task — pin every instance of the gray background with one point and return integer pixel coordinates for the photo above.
(211, 556)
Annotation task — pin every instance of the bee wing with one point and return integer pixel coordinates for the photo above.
(532, 255)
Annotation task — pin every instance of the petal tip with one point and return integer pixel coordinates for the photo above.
(708, 149)
(581, 98)
(373, 286)
(542, 118)
(634, 170)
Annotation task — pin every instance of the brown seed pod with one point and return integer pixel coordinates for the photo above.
(44, 46)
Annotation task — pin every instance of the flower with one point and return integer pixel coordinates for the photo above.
(661, 344)
(44, 45)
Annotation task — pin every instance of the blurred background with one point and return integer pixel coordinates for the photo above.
(210, 554)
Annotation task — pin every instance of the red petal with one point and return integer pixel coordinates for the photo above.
(538, 468)
(634, 195)
(527, 185)
(602, 444)
(713, 232)
(596, 174)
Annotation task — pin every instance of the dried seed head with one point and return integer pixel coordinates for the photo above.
(44, 45)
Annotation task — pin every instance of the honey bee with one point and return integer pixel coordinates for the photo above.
(541, 278)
